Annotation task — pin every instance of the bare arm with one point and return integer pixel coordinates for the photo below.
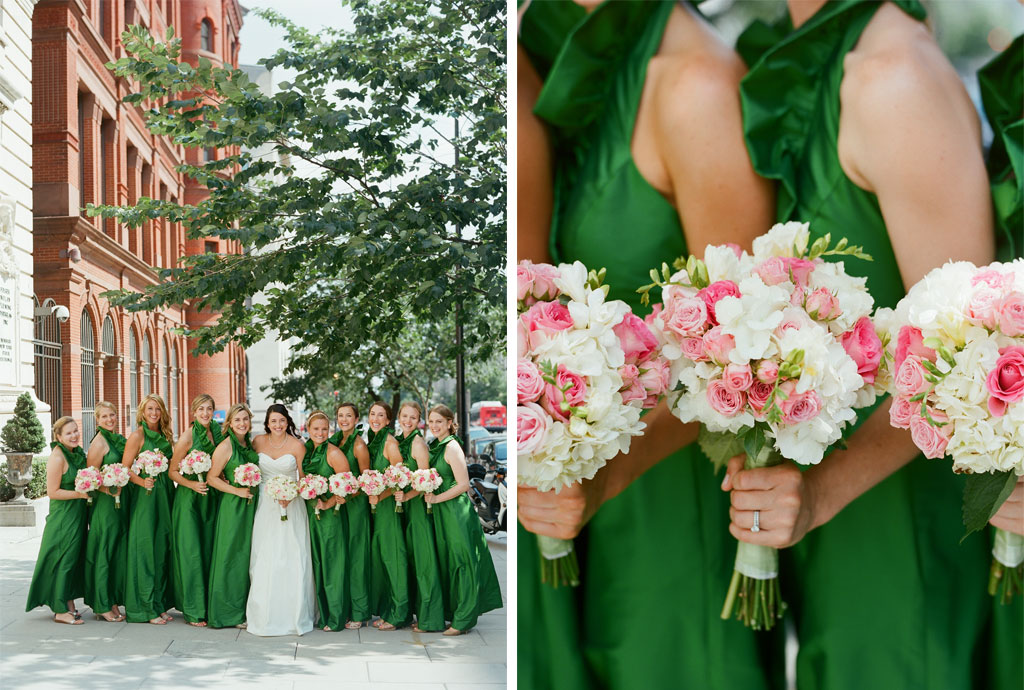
(362, 454)
(181, 449)
(339, 463)
(534, 193)
(421, 454)
(97, 449)
(215, 478)
(132, 448)
(56, 466)
(456, 459)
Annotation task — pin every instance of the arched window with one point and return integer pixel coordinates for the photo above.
(133, 376)
(147, 367)
(108, 336)
(174, 385)
(88, 379)
(206, 35)
(48, 349)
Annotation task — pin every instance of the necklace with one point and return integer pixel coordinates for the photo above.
(280, 445)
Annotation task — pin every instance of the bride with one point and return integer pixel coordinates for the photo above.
(281, 594)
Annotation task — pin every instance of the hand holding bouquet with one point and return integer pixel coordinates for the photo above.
(311, 487)
(343, 484)
(116, 475)
(87, 480)
(248, 475)
(282, 488)
(372, 484)
(397, 477)
(426, 481)
(152, 463)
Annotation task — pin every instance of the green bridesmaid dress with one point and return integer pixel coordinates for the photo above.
(467, 570)
(656, 560)
(148, 587)
(357, 570)
(59, 575)
(192, 522)
(389, 560)
(884, 595)
(328, 543)
(105, 548)
(424, 577)
(232, 541)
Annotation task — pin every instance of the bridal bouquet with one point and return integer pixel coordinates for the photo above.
(248, 475)
(115, 474)
(771, 353)
(195, 463)
(586, 369)
(397, 477)
(958, 387)
(426, 481)
(282, 488)
(151, 463)
(372, 484)
(343, 484)
(87, 480)
(311, 487)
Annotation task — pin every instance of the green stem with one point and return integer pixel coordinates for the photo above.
(730, 597)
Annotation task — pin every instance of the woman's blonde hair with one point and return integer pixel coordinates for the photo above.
(105, 403)
(199, 400)
(445, 412)
(165, 416)
(59, 425)
(317, 414)
(413, 404)
(232, 413)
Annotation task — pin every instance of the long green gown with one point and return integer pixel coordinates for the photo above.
(328, 543)
(192, 522)
(656, 560)
(232, 541)
(389, 564)
(884, 595)
(467, 570)
(424, 577)
(148, 587)
(105, 548)
(360, 531)
(59, 575)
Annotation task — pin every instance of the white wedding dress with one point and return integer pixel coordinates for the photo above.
(281, 591)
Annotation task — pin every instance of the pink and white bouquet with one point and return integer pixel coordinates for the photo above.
(771, 353)
(587, 367)
(116, 475)
(372, 484)
(282, 488)
(426, 481)
(152, 463)
(343, 484)
(195, 463)
(958, 385)
(311, 487)
(248, 475)
(87, 480)
(397, 477)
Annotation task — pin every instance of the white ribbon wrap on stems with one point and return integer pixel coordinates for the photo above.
(551, 548)
(757, 562)
(1008, 548)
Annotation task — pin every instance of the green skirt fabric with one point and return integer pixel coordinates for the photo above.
(390, 566)
(106, 554)
(229, 563)
(424, 575)
(192, 523)
(148, 587)
(59, 575)
(357, 567)
(328, 543)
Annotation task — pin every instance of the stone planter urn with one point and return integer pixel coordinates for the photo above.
(19, 474)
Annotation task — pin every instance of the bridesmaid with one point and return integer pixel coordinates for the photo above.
(148, 588)
(229, 563)
(59, 575)
(358, 509)
(390, 563)
(467, 570)
(427, 599)
(105, 555)
(194, 515)
(328, 536)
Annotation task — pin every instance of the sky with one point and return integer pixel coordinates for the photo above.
(259, 39)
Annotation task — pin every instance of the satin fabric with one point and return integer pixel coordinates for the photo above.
(424, 576)
(106, 554)
(328, 537)
(360, 531)
(389, 564)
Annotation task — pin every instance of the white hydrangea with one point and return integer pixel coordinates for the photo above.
(784, 239)
(850, 291)
(752, 318)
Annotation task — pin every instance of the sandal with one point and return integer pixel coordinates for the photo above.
(157, 621)
(386, 627)
(115, 618)
(73, 621)
(377, 623)
(353, 625)
(197, 624)
(452, 632)
(242, 626)
(167, 617)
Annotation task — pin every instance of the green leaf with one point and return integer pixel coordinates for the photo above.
(984, 492)
(719, 446)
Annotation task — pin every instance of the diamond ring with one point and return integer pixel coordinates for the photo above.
(757, 521)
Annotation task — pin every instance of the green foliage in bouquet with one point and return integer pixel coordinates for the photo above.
(23, 433)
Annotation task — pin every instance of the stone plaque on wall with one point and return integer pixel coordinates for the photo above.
(9, 338)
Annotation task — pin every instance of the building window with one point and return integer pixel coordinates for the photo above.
(211, 247)
(133, 376)
(48, 349)
(81, 150)
(209, 154)
(206, 35)
(88, 379)
(147, 367)
(105, 20)
(174, 385)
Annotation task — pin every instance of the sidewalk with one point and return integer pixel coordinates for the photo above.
(38, 653)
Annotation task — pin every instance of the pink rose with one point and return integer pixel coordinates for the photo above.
(529, 383)
(718, 344)
(902, 411)
(932, 440)
(767, 371)
(724, 401)
(864, 347)
(994, 279)
(544, 277)
(737, 377)
(1005, 382)
(772, 271)
(573, 396)
(910, 341)
(1010, 314)
(532, 424)
(549, 317)
(524, 281)
(792, 319)
(822, 305)
(983, 305)
(522, 338)
(714, 292)
(685, 315)
(693, 349)
(758, 394)
(800, 407)
(909, 379)
(796, 298)
(799, 270)
(655, 379)
(636, 338)
(632, 388)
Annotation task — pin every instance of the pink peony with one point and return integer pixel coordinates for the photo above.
(549, 317)
(532, 424)
(800, 407)
(724, 401)
(767, 371)
(685, 315)
(737, 377)
(718, 344)
(983, 306)
(636, 338)
(714, 292)
(1010, 314)
(1005, 382)
(758, 394)
(909, 379)
(573, 396)
(822, 305)
(910, 341)
(994, 279)
(693, 348)
(932, 440)
(902, 411)
(529, 383)
(864, 347)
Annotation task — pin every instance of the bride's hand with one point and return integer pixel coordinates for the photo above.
(284, 503)
(782, 496)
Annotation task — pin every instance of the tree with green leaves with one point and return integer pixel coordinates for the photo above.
(23, 433)
(382, 224)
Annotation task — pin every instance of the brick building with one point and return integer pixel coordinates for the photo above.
(91, 148)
